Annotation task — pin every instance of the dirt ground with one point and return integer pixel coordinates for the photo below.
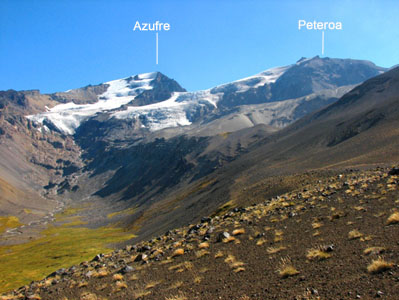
(319, 242)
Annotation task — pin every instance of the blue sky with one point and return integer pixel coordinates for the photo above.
(60, 45)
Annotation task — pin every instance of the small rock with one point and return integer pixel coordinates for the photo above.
(222, 236)
(379, 294)
(98, 257)
(146, 248)
(127, 269)
(205, 219)
(59, 272)
(329, 248)
(210, 230)
(141, 257)
(89, 274)
(394, 171)
(206, 237)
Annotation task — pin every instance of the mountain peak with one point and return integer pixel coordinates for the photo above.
(154, 101)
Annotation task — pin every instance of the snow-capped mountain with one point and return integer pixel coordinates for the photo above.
(143, 140)
(154, 102)
(119, 101)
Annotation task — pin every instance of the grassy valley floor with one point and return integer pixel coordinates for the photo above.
(59, 246)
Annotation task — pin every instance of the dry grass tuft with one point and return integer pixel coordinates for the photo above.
(379, 265)
(188, 265)
(181, 267)
(102, 287)
(204, 245)
(180, 296)
(172, 268)
(152, 284)
(166, 261)
(230, 259)
(178, 252)
(83, 296)
(133, 277)
(286, 268)
(354, 234)
(317, 254)
(219, 254)
(175, 285)
(239, 269)
(236, 265)
(274, 250)
(37, 297)
(393, 219)
(201, 253)
(120, 285)
(360, 208)
(374, 250)
(117, 277)
(239, 231)
(316, 225)
(140, 293)
(101, 274)
(278, 236)
(316, 233)
(261, 241)
(229, 239)
(83, 284)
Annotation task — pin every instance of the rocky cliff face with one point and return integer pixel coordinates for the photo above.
(162, 89)
(313, 75)
(31, 157)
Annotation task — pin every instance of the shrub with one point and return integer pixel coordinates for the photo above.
(317, 254)
(379, 265)
(393, 219)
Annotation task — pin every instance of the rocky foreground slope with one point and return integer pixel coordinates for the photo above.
(335, 238)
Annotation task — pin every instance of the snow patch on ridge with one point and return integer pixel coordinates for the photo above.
(156, 116)
(68, 117)
(267, 77)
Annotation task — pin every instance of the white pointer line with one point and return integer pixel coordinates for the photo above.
(156, 47)
(322, 43)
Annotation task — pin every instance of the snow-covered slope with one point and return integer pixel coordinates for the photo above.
(173, 112)
(152, 101)
(67, 117)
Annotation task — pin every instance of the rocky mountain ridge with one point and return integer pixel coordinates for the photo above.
(153, 102)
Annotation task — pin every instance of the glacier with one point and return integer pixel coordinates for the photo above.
(118, 102)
